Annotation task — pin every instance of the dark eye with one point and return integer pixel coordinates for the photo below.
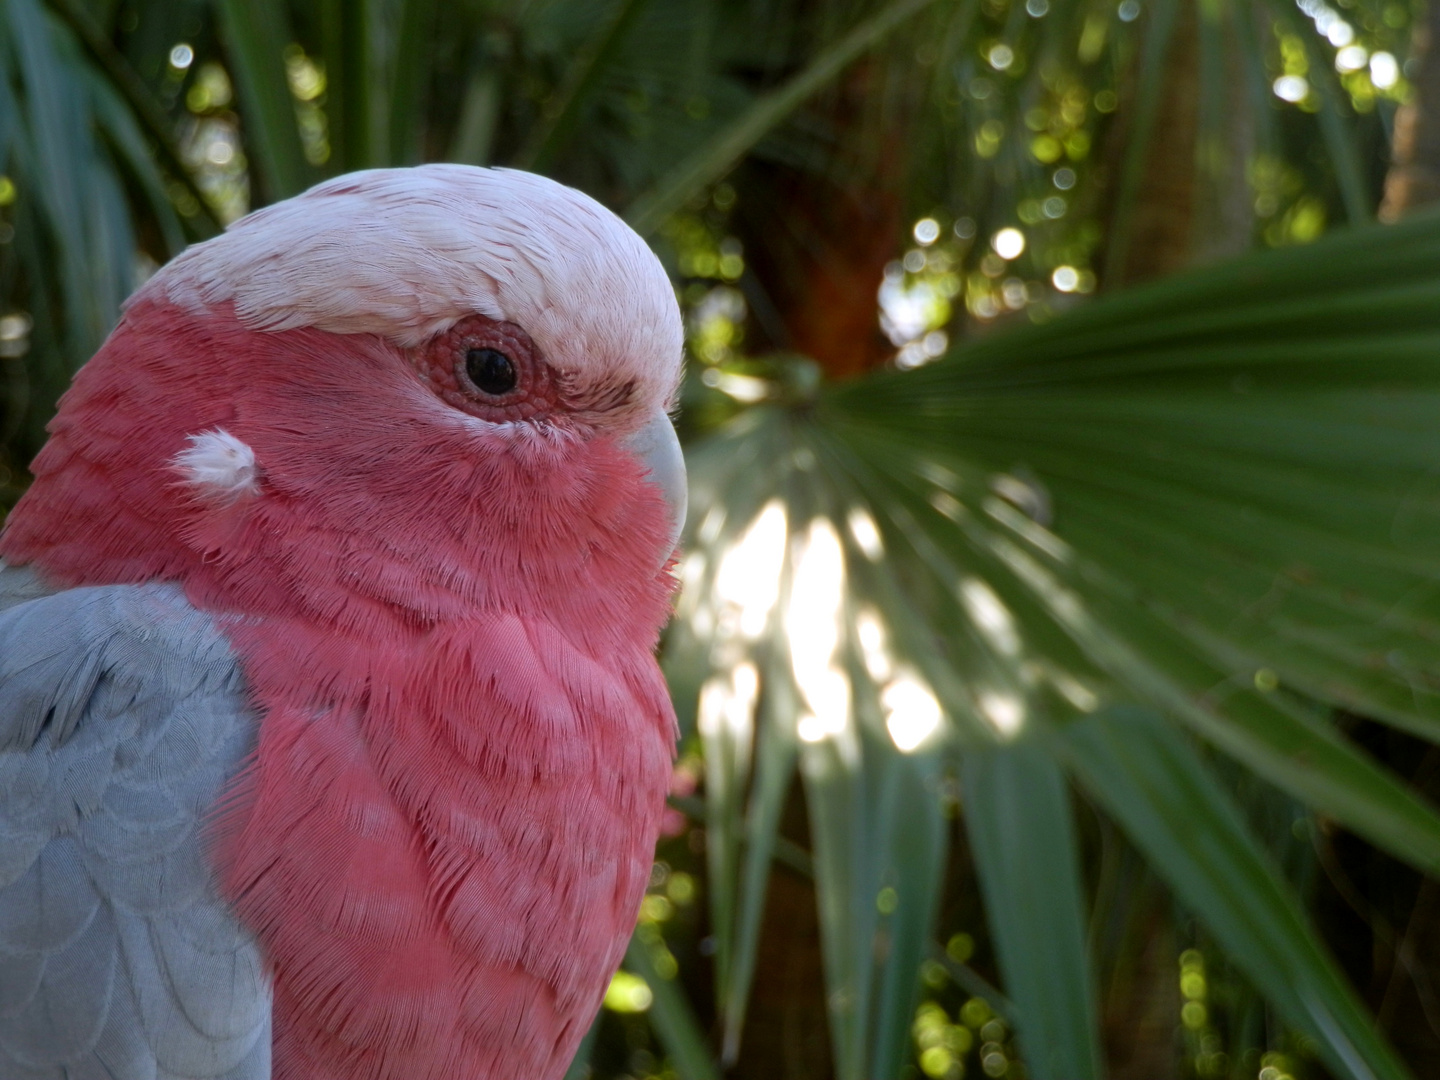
(490, 370)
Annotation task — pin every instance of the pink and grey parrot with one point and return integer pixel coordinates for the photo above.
(332, 741)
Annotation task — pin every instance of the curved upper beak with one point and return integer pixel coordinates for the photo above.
(658, 449)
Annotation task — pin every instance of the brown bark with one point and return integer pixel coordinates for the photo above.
(1143, 1004)
(1224, 212)
(1414, 177)
(820, 235)
(787, 1036)
(1163, 214)
(1175, 220)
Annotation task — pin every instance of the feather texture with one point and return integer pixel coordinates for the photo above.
(466, 741)
(405, 253)
(122, 716)
(446, 625)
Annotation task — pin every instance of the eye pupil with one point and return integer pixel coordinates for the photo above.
(490, 370)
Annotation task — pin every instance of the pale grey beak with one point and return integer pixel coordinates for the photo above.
(657, 447)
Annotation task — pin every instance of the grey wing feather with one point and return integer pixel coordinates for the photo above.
(122, 716)
(20, 583)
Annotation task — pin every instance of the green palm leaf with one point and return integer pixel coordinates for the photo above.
(712, 160)
(1018, 814)
(1215, 495)
(255, 33)
(1152, 782)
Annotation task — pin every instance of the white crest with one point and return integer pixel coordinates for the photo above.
(405, 253)
(218, 465)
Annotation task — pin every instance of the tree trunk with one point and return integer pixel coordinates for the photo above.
(1414, 177)
(1140, 1013)
(1163, 214)
(787, 1036)
(822, 233)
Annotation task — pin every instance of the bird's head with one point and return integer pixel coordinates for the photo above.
(401, 391)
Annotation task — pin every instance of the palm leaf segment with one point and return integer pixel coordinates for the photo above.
(1215, 499)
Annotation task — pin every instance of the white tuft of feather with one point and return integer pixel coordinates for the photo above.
(218, 466)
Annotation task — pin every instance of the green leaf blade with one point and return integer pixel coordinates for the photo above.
(255, 33)
(711, 161)
(1017, 813)
(1146, 777)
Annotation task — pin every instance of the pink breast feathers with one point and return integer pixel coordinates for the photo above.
(446, 873)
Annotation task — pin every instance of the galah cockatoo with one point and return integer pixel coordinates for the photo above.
(332, 742)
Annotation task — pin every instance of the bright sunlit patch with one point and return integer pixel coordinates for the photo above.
(1027, 495)
(743, 388)
(810, 728)
(866, 533)
(1074, 691)
(990, 616)
(1000, 56)
(711, 525)
(1291, 88)
(948, 505)
(829, 691)
(628, 993)
(749, 574)
(870, 629)
(692, 571)
(939, 475)
(912, 714)
(1005, 712)
(812, 622)
(14, 327)
(1384, 70)
(1008, 243)
(727, 708)
(1065, 278)
(727, 704)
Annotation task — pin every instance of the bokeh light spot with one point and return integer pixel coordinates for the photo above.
(628, 993)
(1008, 243)
(1384, 70)
(1291, 88)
